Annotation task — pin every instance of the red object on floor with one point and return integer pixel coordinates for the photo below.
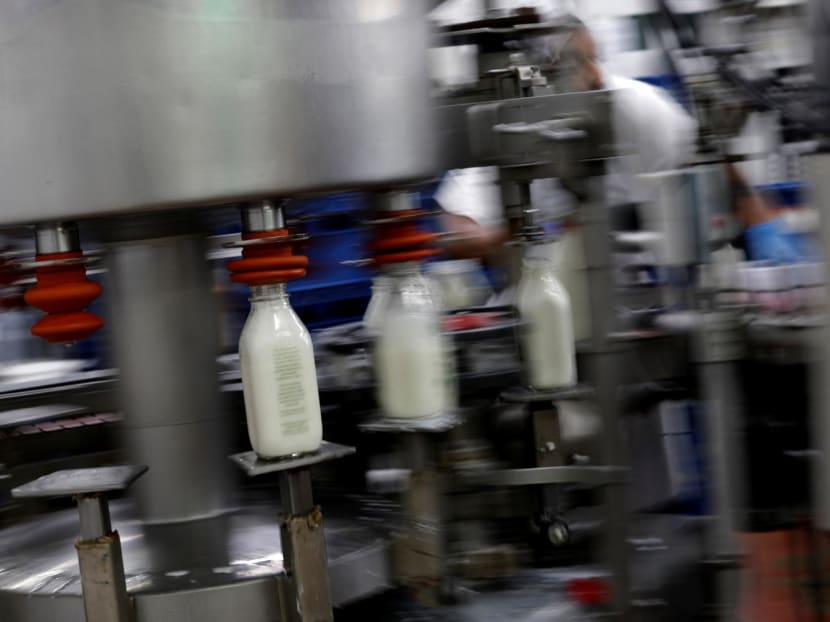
(591, 591)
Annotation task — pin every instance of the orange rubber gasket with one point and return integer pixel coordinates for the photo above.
(63, 292)
(267, 264)
(399, 242)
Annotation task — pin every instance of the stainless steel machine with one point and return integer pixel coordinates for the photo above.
(127, 125)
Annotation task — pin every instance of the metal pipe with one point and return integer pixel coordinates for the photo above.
(296, 492)
(394, 200)
(605, 364)
(262, 216)
(57, 237)
(820, 165)
(725, 466)
(94, 513)
(724, 455)
(163, 320)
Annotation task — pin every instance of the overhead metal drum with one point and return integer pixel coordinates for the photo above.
(112, 106)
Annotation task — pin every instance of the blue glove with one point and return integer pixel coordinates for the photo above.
(770, 241)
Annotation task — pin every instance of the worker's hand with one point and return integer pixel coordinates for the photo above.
(771, 241)
(750, 207)
(470, 240)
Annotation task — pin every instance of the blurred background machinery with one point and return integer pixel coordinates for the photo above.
(662, 486)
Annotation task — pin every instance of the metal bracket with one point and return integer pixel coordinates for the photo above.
(541, 476)
(99, 547)
(301, 529)
(528, 130)
(555, 129)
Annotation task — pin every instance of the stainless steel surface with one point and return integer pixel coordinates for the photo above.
(820, 371)
(524, 395)
(296, 492)
(304, 557)
(436, 424)
(470, 134)
(94, 514)
(252, 601)
(163, 321)
(102, 577)
(394, 201)
(539, 476)
(40, 579)
(725, 466)
(80, 481)
(262, 216)
(605, 364)
(92, 389)
(253, 466)
(112, 105)
(35, 414)
(57, 237)
(820, 31)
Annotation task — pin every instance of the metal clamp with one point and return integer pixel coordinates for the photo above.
(542, 476)
(415, 214)
(269, 241)
(301, 527)
(555, 129)
(99, 547)
(50, 263)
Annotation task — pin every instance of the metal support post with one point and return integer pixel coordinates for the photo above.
(102, 566)
(605, 362)
(421, 557)
(719, 348)
(820, 172)
(304, 547)
(307, 595)
(163, 328)
(99, 546)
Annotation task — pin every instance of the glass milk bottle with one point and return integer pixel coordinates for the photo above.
(548, 338)
(279, 378)
(413, 363)
(377, 305)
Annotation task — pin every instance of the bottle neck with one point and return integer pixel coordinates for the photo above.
(273, 293)
(537, 265)
(398, 270)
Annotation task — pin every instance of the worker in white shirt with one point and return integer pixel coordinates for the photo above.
(653, 134)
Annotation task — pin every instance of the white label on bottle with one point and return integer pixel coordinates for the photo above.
(290, 392)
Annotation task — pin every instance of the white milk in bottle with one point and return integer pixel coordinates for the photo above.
(548, 339)
(413, 373)
(279, 378)
(376, 309)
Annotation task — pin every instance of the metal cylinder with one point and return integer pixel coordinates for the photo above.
(820, 372)
(110, 106)
(262, 216)
(394, 200)
(820, 31)
(164, 324)
(94, 512)
(57, 237)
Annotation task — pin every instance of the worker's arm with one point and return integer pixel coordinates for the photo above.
(470, 240)
(749, 207)
(473, 213)
(654, 132)
(767, 237)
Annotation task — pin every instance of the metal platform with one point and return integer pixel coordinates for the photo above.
(80, 482)
(212, 571)
(436, 424)
(253, 465)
